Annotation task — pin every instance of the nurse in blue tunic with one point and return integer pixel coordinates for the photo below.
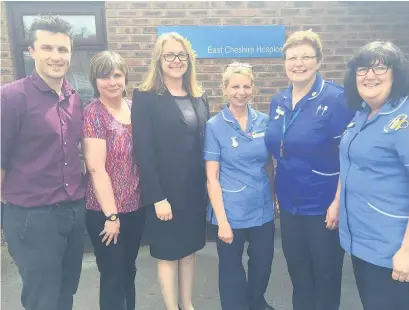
(306, 124)
(374, 211)
(241, 199)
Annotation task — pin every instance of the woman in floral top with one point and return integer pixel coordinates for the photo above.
(115, 219)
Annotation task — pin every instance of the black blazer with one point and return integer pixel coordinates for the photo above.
(160, 150)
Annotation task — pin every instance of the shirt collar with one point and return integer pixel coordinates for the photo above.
(314, 92)
(228, 116)
(389, 107)
(66, 88)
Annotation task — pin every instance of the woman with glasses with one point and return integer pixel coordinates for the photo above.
(169, 114)
(374, 214)
(306, 123)
(238, 169)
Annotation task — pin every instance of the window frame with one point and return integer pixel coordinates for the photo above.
(20, 44)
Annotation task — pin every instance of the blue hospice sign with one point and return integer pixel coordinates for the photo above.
(232, 41)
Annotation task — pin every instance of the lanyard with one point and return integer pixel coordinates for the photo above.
(285, 128)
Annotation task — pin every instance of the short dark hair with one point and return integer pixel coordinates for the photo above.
(102, 64)
(49, 23)
(384, 52)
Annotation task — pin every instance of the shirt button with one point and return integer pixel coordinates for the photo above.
(66, 184)
(65, 143)
(62, 123)
(65, 164)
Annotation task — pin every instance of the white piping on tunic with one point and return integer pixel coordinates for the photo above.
(397, 108)
(387, 214)
(325, 174)
(239, 190)
(322, 87)
(212, 152)
(227, 120)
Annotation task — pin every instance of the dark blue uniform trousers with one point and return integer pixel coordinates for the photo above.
(314, 261)
(377, 289)
(237, 292)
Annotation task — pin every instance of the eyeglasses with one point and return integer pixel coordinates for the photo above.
(377, 70)
(172, 57)
(303, 58)
(239, 65)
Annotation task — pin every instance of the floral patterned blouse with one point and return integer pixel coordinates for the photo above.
(120, 166)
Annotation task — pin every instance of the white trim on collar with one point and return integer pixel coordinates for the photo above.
(254, 113)
(397, 108)
(316, 95)
(224, 117)
(230, 121)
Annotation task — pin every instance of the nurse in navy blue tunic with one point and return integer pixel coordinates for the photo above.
(241, 199)
(374, 214)
(306, 123)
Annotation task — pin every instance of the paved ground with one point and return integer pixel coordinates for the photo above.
(149, 298)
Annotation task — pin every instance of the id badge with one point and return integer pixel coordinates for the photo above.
(258, 134)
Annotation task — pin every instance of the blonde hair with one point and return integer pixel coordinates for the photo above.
(154, 78)
(102, 64)
(237, 68)
(305, 37)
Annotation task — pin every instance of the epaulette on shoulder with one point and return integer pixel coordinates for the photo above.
(336, 85)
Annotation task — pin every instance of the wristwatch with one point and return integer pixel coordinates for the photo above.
(112, 217)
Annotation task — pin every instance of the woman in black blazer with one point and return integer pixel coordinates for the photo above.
(169, 114)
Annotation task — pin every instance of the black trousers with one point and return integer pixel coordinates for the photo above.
(314, 260)
(47, 245)
(237, 292)
(116, 262)
(377, 289)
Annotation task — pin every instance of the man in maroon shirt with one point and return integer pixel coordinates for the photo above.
(41, 176)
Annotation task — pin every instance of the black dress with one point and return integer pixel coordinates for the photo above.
(185, 234)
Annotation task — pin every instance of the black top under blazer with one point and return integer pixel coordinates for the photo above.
(161, 150)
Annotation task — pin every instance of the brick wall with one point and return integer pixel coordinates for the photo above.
(7, 68)
(343, 26)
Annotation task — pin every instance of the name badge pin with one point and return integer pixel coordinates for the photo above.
(399, 122)
(321, 110)
(280, 112)
(234, 142)
(351, 124)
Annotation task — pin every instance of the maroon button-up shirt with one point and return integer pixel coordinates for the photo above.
(40, 143)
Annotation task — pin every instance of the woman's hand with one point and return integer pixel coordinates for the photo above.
(110, 232)
(164, 210)
(225, 233)
(333, 215)
(401, 265)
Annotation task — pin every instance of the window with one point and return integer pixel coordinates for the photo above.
(88, 22)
